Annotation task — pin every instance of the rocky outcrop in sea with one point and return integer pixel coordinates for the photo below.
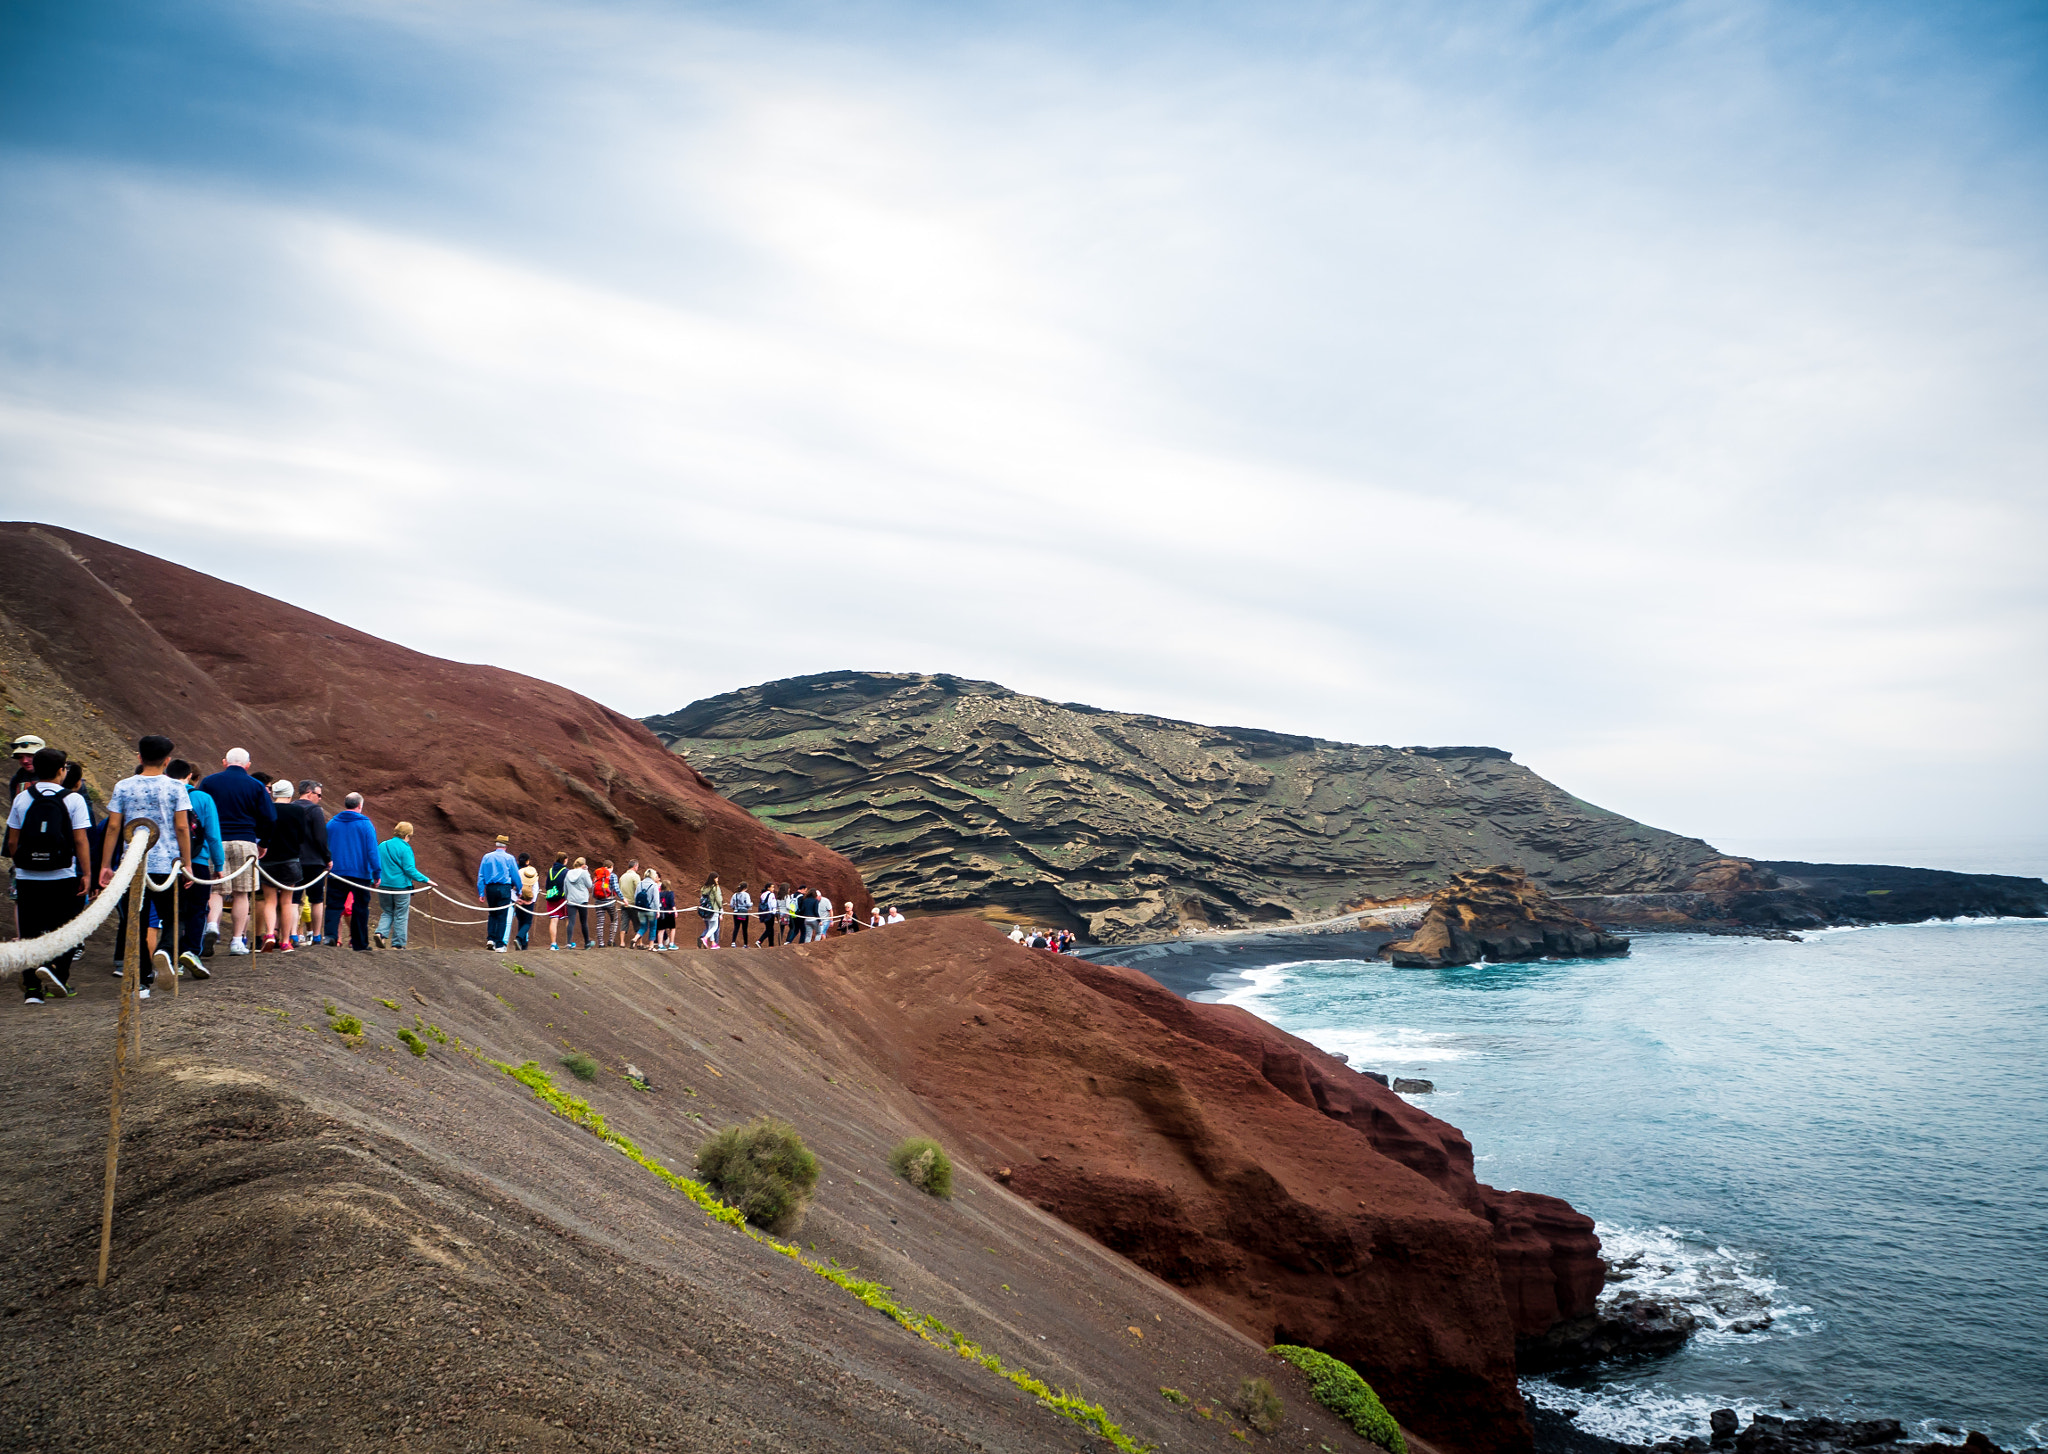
(1498, 914)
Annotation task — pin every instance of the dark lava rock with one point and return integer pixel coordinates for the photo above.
(1723, 1423)
(1414, 1087)
(1498, 914)
(1641, 1329)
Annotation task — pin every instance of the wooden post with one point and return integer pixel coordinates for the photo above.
(141, 835)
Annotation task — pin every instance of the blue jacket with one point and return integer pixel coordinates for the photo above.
(243, 805)
(498, 867)
(396, 867)
(206, 847)
(352, 846)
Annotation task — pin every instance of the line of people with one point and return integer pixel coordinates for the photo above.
(595, 907)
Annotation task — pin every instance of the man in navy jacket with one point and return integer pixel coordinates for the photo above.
(352, 849)
(246, 817)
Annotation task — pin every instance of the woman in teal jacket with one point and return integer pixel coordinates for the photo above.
(396, 869)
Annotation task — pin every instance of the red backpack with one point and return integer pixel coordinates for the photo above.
(601, 881)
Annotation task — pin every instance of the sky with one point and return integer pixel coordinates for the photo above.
(1656, 390)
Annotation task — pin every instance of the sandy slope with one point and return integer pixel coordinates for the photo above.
(320, 1247)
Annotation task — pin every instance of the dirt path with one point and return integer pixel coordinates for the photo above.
(333, 1248)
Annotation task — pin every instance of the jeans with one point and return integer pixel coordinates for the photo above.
(523, 918)
(45, 906)
(358, 915)
(393, 911)
(498, 899)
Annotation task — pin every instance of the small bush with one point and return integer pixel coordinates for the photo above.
(1172, 1395)
(923, 1163)
(581, 1065)
(1260, 1406)
(347, 1025)
(413, 1043)
(763, 1170)
(1339, 1389)
(387, 1004)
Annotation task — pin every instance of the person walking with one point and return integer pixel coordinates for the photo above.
(152, 794)
(710, 904)
(553, 896)
(312, 899)
(629, 904)
(396, 869)
(352, 840)
(822, 924)
(523, 902)
(497, 880)
(281, 872)
(667, 918)
(604, 898)
(576, 888)
(650, 909)
(199, 905)
(767, 910)
(246, 817)
(46, 838)
(742, 917)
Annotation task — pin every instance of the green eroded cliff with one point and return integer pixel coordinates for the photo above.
(955, 794)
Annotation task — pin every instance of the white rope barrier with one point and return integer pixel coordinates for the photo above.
(24, 955)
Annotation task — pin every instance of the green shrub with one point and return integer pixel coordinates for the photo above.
(1339, 1389)
(581, 1065)
(923, 1163)
(1172, 1395)
(413, 1043)
(763, 1170)
(1260, 1406)
(347, 1025)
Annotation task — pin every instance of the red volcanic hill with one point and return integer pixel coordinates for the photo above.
(105, 644)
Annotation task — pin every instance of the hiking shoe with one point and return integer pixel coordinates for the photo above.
(49, 978)
(208, 940)
(188, 964)
(238, 947)
(379, 938)
(142, 993)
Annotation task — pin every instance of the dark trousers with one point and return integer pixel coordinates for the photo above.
(740, 930)
(156, 914)
(358, 914)
(192, 915)
(579, 914)
(46, 906)
(523, 935)
(498, 899)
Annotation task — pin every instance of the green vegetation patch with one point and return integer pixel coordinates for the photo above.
(413, 1043)
(1172, 1395)
(1259, 1405)
(762, 1168)
(581, 1065)
(1338, 1388)
(347, 1025)
(873, 1294)
(923, 1163)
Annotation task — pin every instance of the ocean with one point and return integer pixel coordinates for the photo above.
(1832, 1151)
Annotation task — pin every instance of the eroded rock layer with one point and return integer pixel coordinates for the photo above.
(1497, 914)
(961, 794)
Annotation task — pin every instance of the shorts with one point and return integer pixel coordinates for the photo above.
(288, 874)
(241, 869)
(559, 909)
(312, 893)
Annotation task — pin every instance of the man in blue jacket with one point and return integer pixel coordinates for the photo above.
(497, 880)
(352, 850)
(246, 817)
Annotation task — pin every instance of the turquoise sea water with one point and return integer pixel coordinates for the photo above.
(1846, 1136)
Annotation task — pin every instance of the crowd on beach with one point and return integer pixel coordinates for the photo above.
(260, 853)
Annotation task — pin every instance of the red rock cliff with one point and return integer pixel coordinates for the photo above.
(1292, 1196)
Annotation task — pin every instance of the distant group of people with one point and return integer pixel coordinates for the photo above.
(260, 853)
(1059, 941)
(602, 906)
(247, 846)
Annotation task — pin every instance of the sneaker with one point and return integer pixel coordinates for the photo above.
(208, 940)
(285, 948)
(239, 946)
(50, 981)
(553, 947)
(498, 949)
(142, 993)
(188, 964)
(379, 938)
(162, 960)
(31, 1000)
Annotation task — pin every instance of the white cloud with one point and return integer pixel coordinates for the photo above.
(1318, 395)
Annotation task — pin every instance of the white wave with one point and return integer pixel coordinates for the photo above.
(1636, 1414)
(1376, 1047)
(1725, 1288)
(1258, 984)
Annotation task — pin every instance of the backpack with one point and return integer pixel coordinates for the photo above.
(603, 885)
(45, 844)
(555, 876)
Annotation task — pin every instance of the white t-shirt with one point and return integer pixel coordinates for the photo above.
(81, 818)
(894, 917)
(824, 910)
(156, 796)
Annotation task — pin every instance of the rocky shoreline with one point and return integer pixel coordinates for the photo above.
(1556, 1433)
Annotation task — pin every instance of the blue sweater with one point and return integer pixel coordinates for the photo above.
(244, 807)
(396, 867)
(352, 846)
(206, 847)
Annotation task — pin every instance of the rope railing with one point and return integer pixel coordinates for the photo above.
(24, 956)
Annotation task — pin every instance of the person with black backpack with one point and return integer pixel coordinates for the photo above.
(46, 838)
